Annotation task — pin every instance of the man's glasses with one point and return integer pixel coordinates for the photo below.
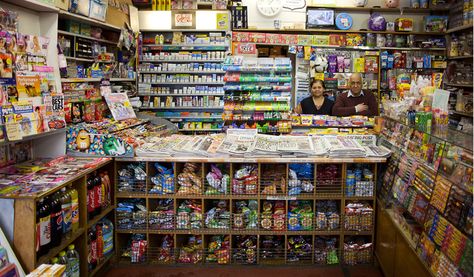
(356, 83)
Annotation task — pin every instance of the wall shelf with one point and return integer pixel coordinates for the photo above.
(460, 28)
(85, 19)
(184, 94)
(183, 61)
(460, 57)
(33, 5)
(401, 10)
(86, 37)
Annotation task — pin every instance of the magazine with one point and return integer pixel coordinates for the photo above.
(25, 118)
(28, 86)
(6, 68)
(120, 106)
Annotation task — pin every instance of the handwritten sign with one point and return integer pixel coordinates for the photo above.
(183, 19)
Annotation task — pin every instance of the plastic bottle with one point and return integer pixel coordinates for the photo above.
(90, 197)
(56, 220)
(103, 191)
(73, 259)
(108, 236)
(43, 227)
(97, 194)
(55, 260)
(74, 209)
(100, 242)
(63, 260)
(92, 258)
(66, 211)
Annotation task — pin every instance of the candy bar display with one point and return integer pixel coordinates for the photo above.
(358, 217)
(244, 249)
(136, 250)
(131, 214)
(189, 179)
(272, 248)
(328, 179)
(300, 215)
(217, 179)
(327, 215)
(326, 250)
(245, 179)
(300, 249)
(218, 216)
(190, 250)
(218, 250)
(189, 214)
(273, 179)
(300, 179)
(162, 217)
(245, 215)
(132, 178)
(272, 215)
(360, 181)
(163, 181)
(357, 251)
(165, 253)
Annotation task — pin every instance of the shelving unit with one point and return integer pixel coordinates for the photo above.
(418, 206)
(400, 10)
(24, 239)
(258, 85)
(336, 192)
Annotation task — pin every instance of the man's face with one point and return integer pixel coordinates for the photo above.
(356, 85)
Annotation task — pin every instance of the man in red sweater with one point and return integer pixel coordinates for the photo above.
(355, 101)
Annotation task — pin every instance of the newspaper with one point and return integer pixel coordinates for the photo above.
(299, 144)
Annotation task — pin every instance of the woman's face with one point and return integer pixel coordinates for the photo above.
(317, 89)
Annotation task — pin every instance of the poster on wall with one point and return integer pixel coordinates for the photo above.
(183, 20)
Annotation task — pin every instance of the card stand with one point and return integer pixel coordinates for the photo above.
(161, 220)
(358, 254)
(299, 250)
(217, 179)
(327, 188)
(245, 179)
(189, 181)
(273, 179)
(131, 221)
(161, 179)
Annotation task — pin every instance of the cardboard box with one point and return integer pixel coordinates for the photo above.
(62, 4)
(118, 12)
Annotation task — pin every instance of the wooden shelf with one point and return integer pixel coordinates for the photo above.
(185, 72)
(33, 5)
(462, 114)
(460, 57)
(33, 137)
(182, 94)
(101, 265)
(97, 218)
(460, 28)
(182, 61)
(64, 244)
(184, 83)
(87, 37)
(276, 159)
(199, 130)
(459, 85)
(339, 31)
(400, 10)
(80, 59)
(85, 19)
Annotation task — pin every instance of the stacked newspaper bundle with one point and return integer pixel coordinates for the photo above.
(248, 143)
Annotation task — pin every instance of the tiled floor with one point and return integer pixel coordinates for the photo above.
(242, 271)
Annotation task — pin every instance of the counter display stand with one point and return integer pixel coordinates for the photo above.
(177, 210)
(425, 202)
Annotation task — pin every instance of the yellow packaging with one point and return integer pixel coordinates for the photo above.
(359, 65)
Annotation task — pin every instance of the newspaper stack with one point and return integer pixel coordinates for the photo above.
(343, 147)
